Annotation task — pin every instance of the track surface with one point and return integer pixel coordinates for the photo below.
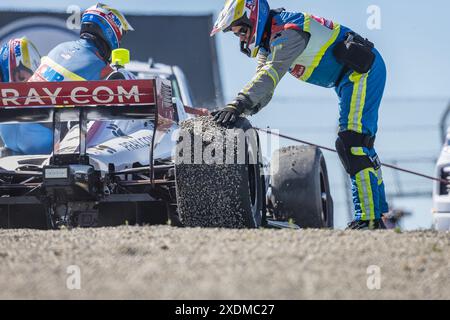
(171, 263)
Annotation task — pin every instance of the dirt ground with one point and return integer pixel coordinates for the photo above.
(174, 263)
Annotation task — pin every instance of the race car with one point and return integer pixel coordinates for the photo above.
(125, 152)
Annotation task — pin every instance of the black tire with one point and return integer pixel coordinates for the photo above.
(300, 187)
(219, 195)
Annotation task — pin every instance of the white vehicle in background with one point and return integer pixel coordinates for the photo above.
(180, 86)
(441, 191)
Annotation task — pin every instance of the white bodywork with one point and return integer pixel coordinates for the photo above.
(130, 147)
(441, 198)
(121, 142)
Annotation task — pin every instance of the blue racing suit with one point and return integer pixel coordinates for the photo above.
(360, 98)
(302, 44)
(70, 61)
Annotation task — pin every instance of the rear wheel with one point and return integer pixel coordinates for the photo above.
(300, 187)
(219, 193)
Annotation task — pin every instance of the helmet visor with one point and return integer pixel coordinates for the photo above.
(21, 74)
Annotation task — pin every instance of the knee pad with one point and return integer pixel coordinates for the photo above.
(352, 163)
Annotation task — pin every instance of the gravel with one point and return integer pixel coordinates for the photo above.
(209, 192)
(181, 263)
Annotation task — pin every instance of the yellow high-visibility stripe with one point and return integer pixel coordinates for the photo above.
(274, 54)
(266, 70)
(356, 79)
(60, 69)
(321, 53)
(365, 194)
(272, 77)
(307, 23)
(358, 101)
(361, 106)
(370, 193)
(360, 185)
(275, 73)
(358, 151)
(272, 73)
(257, 78)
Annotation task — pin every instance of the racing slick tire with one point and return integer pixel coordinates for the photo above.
(300, 187)
(216, 193)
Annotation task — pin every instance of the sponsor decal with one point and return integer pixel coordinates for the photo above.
(137, 143)
(112, 17)
(17, 48)
(77, 93)
(49, 74)
(111, 22)
(298, 71)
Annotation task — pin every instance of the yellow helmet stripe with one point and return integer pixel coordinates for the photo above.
(239, 10)
(25, 53)
(125, 24)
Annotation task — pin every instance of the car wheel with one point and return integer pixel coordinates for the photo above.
(213, 192)
(300, 187)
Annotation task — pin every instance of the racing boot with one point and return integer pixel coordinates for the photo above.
(366, 225)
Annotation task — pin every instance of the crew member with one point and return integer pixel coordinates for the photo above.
(324, 53)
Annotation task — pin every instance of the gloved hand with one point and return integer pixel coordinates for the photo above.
(226, 116)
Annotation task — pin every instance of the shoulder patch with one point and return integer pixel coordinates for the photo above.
(298, 71)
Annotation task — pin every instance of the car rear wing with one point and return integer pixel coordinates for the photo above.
(37, 101)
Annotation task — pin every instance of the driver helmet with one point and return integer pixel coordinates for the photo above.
(19, 59)
(250, 13)
(105, 22)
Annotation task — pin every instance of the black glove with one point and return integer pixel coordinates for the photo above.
(226, 116)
